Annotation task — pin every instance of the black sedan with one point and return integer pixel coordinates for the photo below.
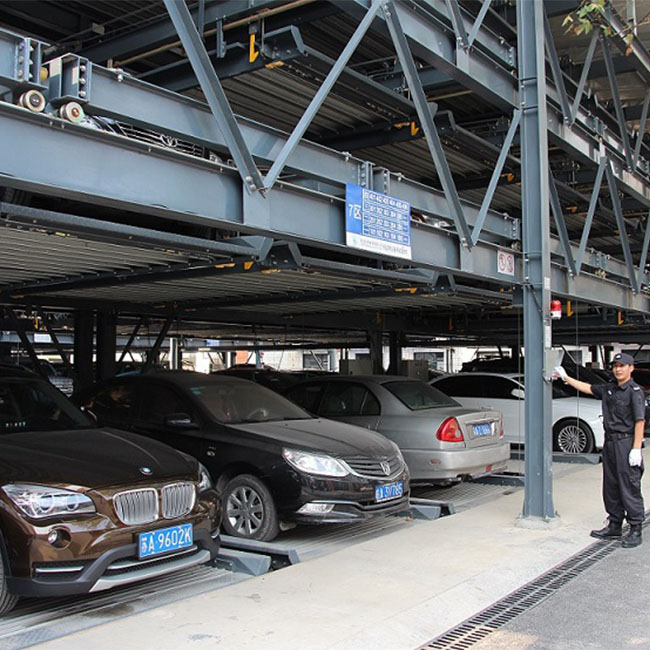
(273, 462)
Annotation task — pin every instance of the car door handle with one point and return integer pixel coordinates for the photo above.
(211, 451)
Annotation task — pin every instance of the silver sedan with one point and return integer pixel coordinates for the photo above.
(441, 441)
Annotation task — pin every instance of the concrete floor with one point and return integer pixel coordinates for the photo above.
(396, 592)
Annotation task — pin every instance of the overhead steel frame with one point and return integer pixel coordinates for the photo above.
(255, 209)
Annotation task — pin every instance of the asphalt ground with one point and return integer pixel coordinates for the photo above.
(605, 607)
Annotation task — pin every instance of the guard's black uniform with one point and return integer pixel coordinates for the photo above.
(622, 406)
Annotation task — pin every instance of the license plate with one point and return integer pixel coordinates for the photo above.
(164, 540)
(390, 491)
(482, 430)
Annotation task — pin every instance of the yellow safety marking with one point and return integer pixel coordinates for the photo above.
(414, 128)
(248, 265)
(409, 289)
(271, 271)
(569, 311)
(620, 318)
(229, 265)
(252, 54)
(274, 64)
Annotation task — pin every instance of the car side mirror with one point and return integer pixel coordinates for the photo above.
(518, 393)
(180, 421)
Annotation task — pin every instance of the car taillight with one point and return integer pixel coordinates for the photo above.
(449, 431)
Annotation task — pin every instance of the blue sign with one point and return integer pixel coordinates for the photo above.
(377, 222)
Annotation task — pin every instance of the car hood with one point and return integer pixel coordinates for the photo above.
(90, 458)
(319, 434)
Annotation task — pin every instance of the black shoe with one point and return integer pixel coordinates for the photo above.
(633, 538)
(611, 531)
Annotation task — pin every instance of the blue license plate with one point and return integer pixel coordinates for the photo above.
(389, 491)
(482, 430)
(164, 540)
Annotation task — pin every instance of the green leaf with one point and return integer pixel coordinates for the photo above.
(567, 20)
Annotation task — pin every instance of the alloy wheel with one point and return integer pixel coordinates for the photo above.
(245, 510)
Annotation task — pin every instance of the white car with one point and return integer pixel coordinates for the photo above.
(577, 421)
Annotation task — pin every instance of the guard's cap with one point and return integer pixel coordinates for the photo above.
(623, 358)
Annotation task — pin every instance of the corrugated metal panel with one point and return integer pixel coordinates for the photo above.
(32, 255)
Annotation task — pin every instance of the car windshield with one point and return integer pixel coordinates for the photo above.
(418, 396)
(31, 404)
(559, 389)
(239, 402)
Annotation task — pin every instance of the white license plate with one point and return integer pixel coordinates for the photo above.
(164, 540)
(482, 430)
(389, 491)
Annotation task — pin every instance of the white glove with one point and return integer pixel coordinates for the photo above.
(561, 373)
(635, 459)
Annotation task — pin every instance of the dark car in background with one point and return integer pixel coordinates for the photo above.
(83, 509)
(441, 441)
(273, 462)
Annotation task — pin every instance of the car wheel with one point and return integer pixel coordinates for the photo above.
(248, 509)
(7, 601)
(573, 437)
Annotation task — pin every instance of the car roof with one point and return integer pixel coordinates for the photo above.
(14, 370)
(182, 377)
(378, 379)
(509, 375)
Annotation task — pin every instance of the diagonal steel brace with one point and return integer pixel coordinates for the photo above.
(556, 208)
(214, 94)
(320, 96)
(620, 221)
(425, 113)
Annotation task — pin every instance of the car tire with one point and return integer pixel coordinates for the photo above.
(7, 601)
(248, 509)
(573, 437)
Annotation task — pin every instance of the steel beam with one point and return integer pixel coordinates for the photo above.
(163, 31)
(207, 193)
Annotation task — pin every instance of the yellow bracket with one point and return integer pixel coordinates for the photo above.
(409, 289)
(569, 311)
(252, 52)
(620, 318)
(414, 128)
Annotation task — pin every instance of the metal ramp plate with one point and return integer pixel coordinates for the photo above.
(37, 620)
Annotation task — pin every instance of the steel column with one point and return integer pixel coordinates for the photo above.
(106, 343)
(538, 495)
(83, 348)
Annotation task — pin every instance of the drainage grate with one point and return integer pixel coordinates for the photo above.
(495, 616)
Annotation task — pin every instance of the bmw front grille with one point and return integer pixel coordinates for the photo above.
(177, 500)
(145, 505)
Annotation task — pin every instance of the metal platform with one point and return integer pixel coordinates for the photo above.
(39, 620)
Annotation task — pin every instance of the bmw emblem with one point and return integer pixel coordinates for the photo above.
(385, 467)
(147, 471)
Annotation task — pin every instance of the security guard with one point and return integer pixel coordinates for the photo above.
(624, 423)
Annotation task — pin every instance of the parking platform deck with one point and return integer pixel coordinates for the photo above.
(398, 588)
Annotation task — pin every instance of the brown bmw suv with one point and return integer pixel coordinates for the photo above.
(83, 508)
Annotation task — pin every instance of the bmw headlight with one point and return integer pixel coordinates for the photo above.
(41, 501)
(318, 464)
(205, 480)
